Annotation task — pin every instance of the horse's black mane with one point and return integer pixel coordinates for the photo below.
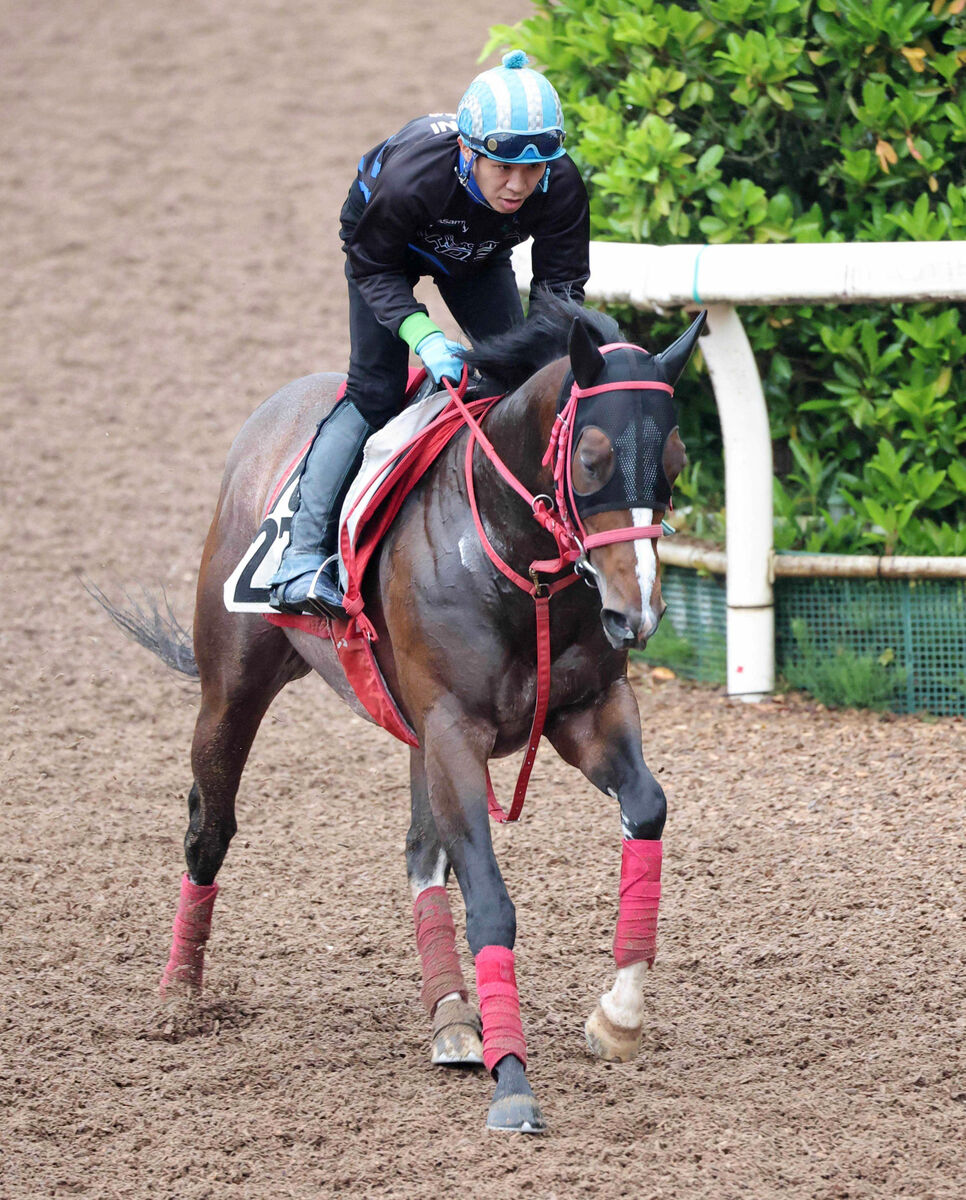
(511, 358)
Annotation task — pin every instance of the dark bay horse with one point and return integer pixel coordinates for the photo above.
(458, 645)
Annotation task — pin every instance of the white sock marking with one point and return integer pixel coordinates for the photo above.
(437, 878)
(624, 1003)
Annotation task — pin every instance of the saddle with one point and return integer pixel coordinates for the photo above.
(395, 459)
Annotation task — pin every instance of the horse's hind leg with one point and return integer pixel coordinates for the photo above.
(244, 662)
(456, 1023)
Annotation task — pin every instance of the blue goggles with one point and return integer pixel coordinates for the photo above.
(539, 145)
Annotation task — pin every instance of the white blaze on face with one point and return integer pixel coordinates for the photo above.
(646, 570)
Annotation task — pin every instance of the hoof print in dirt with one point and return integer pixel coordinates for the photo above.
(185, 1018)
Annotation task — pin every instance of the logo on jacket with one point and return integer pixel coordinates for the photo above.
(446, 245)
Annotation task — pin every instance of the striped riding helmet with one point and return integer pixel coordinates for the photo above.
(512, 114)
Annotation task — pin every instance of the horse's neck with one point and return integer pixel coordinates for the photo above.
(519, 428)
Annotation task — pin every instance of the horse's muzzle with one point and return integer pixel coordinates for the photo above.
(618, 629)
(628, 630)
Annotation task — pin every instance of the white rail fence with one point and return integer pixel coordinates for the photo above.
(719, 278)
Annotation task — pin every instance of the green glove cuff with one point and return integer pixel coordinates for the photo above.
(415, 327)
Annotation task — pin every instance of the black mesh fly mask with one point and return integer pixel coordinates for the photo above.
(633, 409)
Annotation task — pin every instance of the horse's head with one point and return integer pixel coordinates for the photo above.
(626, 453)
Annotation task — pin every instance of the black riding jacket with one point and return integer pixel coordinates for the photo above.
(408, 215)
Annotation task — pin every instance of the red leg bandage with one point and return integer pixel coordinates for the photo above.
(436, 939)
(496, 986)
(635, 939)
(192, 925)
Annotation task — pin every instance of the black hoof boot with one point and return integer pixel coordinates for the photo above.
(514, 1108)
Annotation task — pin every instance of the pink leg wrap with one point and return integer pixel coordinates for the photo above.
(192, 925)
(636, 937)
(496, 986)
(436, 939)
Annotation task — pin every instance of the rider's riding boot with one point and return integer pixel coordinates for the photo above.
(307, 579)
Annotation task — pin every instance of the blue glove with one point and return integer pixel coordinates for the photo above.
(441, 357)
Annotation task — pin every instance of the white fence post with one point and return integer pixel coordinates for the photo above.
(748, 503)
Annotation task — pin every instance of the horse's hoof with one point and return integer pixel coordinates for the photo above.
(513, 1108)
(612, 1043)
(516, 1114)
(456, 1035)
(457, 1046)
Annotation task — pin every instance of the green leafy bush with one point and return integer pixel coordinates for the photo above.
(844, 678)
(770, 121)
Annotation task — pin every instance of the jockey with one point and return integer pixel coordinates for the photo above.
(447, 196)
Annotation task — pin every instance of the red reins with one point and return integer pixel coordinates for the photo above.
(568, 532)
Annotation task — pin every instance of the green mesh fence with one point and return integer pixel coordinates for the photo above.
(898, 644)
(891, 644)
(691, 637)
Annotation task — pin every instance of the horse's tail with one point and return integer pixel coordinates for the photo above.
(153, 625)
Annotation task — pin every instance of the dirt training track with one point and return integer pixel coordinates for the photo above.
(170, 178)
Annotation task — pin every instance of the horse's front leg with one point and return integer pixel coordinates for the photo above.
(604, 741)
(456, 783)
(456, 1023)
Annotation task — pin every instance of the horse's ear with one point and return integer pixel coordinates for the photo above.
(674, 359)
(586, 360)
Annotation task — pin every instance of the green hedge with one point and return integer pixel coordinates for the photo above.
(772, 121)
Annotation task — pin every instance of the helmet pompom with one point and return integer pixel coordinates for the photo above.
(515, 60)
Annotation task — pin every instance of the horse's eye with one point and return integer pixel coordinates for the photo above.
(593, 461)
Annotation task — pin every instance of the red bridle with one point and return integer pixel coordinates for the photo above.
(559, 453)
(565, 526)
(560, 516)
